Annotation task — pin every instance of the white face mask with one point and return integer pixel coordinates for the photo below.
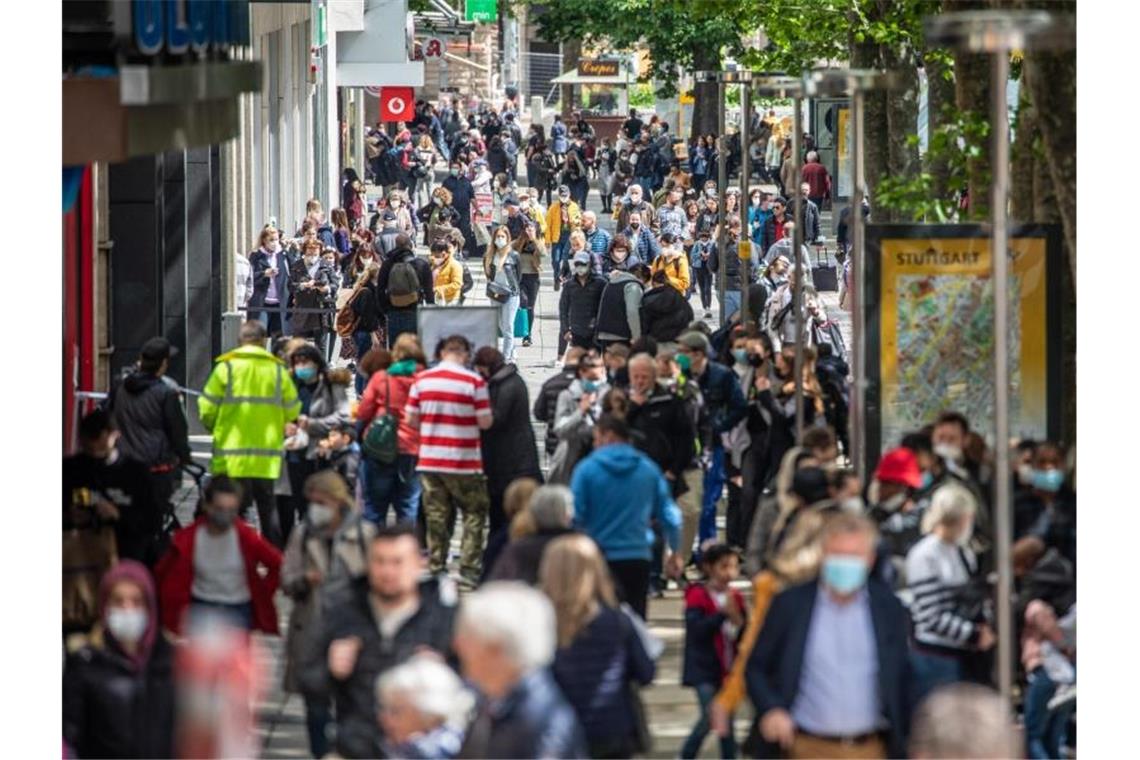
(127, 625)
(320, 515)
(500, 242)
(948, 452)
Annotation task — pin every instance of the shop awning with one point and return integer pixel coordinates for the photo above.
(573, 77)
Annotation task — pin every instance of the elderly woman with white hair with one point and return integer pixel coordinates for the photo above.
(424, 709)
(949, 626)
(505, 638)
(550, 513)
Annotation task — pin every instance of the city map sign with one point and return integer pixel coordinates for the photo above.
(930, 330)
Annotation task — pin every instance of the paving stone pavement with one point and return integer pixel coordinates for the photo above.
(671, 708)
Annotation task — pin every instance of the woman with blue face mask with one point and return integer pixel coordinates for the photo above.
(324, 406)
(1047, 509)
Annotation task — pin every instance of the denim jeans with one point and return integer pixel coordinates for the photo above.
(399, 322)
(507, 326)
(706, 692)
(932, 671)
(714, 485)
(559, 253)
(363, 341)
(731, 302)
(237, 615)
(318, 716)
(1045, 731)
(394, 485)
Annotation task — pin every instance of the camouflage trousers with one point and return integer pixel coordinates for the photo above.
(444, 495)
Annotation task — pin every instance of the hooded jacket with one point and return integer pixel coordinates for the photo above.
(508, 446)
(245, 404)
(665, 313)
(619, 312)
(355, 697)
(115, 705)
(148, 411)
(617, 491)
(175, 575)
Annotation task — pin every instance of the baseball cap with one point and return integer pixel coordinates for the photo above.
(581, 257)
(157, 349)
(899, 466)
(510, 200)
(696, 341)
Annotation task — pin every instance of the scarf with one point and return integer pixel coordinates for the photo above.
(405, 368)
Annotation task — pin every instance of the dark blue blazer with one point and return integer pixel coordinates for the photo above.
(773, 674)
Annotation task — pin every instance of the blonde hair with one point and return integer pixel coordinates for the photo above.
(407, 346)
(517, 497)
(330, 483)
(577, 236)
(950, 503)
(443, 194)
(575, 577)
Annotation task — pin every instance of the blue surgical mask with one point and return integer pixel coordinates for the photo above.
(1049, 481)
(740, 355)
(589, 386)
(843, 573)
(927, 479)
(305, 374)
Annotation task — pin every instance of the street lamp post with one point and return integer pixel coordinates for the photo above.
(998, 33)
(781, 86)
(854, 83)
(722, 180)
(743, 249)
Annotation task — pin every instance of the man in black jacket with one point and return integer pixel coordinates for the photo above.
(147, 409)
(389, 289)
(578, 304)
(547, 400)
(375, 624)
(830, 673)
(462, 196)
(665, 313)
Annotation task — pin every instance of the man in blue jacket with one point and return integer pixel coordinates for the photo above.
(830, 675)
(617, 491)
(726, 408)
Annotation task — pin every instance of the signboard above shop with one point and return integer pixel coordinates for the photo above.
(589, 67)
(483, 11)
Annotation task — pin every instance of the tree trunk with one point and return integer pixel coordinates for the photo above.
(972, 94)
(902, 122)
(571, 52)
(1052, 81)
(705, 105)
(876, 151)
(1022, 158)
(939, 95)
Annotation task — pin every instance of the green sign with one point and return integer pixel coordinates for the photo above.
(319, 23)
(484, 11)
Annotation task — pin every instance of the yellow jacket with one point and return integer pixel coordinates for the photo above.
(554, 220)
(447, 280)
(676, 270)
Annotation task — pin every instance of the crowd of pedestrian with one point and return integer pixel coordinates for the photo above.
(866, 616)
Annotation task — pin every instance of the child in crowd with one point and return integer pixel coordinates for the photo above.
(715, 614)
(340, 451)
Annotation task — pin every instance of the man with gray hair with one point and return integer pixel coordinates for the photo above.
(505, 639)
(597, 239)
(817, 179)
(550, 513)
(964, 720)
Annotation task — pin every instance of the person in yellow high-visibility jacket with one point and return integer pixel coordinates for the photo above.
(246, 404)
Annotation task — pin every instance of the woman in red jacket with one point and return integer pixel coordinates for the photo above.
(395, 484)
(214, 566)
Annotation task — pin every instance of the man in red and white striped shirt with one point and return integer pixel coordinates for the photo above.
(449, 404)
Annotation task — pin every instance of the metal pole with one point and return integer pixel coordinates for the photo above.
(857, 403)
(999, 74)
(721, 186)
(797, 268)
(745, 171)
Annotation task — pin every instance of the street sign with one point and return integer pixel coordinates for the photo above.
(396, 103)
(434, 47)
(484, 11)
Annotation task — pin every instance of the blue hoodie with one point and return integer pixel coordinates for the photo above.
(617, 491)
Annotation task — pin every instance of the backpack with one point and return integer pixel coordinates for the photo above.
(403, 284)
(389, 166)
(381, 441)
(347, 318)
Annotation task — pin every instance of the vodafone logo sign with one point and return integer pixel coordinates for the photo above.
(397, 104)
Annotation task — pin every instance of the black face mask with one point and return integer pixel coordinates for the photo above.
(756, 360)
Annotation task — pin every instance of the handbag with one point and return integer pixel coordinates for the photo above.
(346, 317)
(381, 439)
(496, 291)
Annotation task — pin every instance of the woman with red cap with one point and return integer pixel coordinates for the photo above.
(118, 689)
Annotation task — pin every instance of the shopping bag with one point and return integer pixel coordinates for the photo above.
(522, 323)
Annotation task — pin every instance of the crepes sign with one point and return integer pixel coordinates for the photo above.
(595, 68)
